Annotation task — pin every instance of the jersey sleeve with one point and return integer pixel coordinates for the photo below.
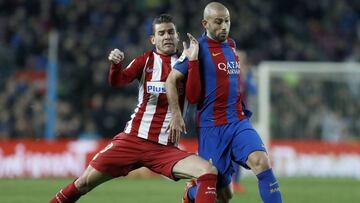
(193, 85)
(232, 43)
(190, 69)
(182, 65)
(118, 76)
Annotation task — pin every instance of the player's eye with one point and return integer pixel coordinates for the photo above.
(161, 33)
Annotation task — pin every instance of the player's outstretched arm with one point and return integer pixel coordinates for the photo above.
(193, 84)
(177, 124)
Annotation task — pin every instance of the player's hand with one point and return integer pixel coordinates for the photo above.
(175, 128)
(116, 56)
(193, 50)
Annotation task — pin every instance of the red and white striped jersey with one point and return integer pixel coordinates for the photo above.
(152, 114)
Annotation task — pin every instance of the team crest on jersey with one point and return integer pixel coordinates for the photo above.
(155, 87)
(149, 69)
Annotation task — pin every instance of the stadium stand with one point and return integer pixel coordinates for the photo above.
(87, 106)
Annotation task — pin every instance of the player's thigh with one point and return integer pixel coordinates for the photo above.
(224, 194)
(246, 141)
(193, 166)
(162, 158)
(215, 145)
(121, 156)
(90, 179)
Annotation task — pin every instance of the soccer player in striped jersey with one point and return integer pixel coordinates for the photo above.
(145, 141)
(225, 132)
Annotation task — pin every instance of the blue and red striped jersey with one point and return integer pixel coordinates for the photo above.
(219, 65)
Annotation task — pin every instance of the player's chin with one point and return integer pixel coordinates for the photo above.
(222, 37)
(169, 50)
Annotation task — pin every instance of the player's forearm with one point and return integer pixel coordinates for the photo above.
(116, 76)
(172, 94)
(193, 85)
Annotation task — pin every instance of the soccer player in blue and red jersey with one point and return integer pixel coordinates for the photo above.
(225, 132)
(145, 141)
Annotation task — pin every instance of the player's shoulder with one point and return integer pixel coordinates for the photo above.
(231, 42)
(147, 54)
(142, 58)
(202, 39)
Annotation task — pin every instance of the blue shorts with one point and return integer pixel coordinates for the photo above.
(226, 143)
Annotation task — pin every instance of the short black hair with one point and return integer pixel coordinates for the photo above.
(163, 18)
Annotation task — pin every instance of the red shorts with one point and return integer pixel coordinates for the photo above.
(126, 153)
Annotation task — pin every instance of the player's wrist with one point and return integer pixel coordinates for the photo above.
(116, 65)
(176, 113)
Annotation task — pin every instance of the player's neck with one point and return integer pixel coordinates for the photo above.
(164, 54)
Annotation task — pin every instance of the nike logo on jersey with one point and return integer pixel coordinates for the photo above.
(211, 188)
(215, 54)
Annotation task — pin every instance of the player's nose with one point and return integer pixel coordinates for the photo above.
(167, 35)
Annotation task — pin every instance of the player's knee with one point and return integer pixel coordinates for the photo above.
(208, 168)
(213, 170)
(259, 162)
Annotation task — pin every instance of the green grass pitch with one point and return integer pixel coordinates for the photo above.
(158, 190)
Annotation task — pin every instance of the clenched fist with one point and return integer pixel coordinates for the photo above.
(116, 56)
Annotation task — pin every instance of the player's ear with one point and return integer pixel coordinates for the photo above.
(204, 23)
(152, 39)
(178, 36)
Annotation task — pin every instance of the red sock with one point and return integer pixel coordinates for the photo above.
(206, 191)
(68, 194)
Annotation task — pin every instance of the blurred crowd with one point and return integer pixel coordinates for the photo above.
(298, 30)
(307, 107)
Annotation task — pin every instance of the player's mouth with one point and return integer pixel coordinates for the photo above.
(223, 34)
(167, 44)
